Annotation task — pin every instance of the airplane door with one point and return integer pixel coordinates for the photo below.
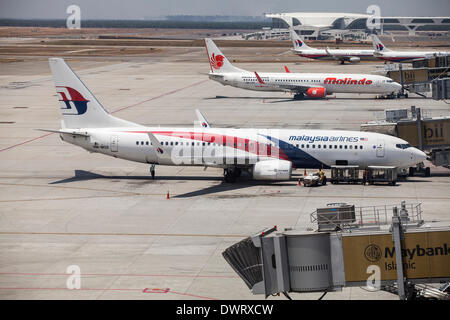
(380, 148)
(114, 146)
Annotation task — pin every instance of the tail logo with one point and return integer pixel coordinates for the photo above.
(216, 61)
(380, 47)
(299, 43)
(70, 97)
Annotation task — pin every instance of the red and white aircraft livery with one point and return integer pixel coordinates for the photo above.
(343, 55)
(311, 85)
(267, 154)
(383, 53)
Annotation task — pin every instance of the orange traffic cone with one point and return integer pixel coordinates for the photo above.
(299, 182)
(304, 172)
(168, 196)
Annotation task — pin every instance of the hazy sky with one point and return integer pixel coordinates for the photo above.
(137, 9)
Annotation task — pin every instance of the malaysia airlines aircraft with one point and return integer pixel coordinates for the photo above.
(383, 53)
(343, 55)
(311, 85)
(267, 154)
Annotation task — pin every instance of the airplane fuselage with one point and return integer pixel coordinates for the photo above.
(333, 83)
(223, 147)
(408, 56)
(332, 54)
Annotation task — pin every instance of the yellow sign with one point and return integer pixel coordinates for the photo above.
(409, 76)
(424, 255)
(436, 132)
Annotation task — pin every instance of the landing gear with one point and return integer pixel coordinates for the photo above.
(231, 174)
(152, 171)
(299, 96)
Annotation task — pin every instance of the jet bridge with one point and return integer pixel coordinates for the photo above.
(382, 247)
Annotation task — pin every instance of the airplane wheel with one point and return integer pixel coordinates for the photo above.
(427, 172)
(230, 176)
(411, 171)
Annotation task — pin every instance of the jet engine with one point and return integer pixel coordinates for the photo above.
(272, 170)
(316, 92)
(354, 59)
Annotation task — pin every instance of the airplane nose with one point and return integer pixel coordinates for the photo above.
(419, 155)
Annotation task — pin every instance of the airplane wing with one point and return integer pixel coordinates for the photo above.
(75, 133)
(204, 123)
(288, 87)
(216, 76)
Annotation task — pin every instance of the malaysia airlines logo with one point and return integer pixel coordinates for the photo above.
(299, 43)
(204, 125)
(380, 47)
(159, 150)
(216, 61)
(70, 98)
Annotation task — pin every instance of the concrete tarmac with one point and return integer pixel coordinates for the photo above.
(61, 206)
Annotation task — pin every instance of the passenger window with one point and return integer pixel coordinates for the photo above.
(307, 146)
(314, 146)
(351, 147)
(318, 146)
(171, 143)
(324, 146)
(303, 146)
(340, 146)
(335, 146)
(146, 142)
(360, 147)
(345, 147)
(137, 142)
(142, 143)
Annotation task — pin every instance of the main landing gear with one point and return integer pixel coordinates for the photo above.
(230, 175)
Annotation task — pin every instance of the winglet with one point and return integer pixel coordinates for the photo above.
(286, 69)
(259, 78)
(161, 152)
(204, 123)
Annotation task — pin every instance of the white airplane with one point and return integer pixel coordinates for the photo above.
(343, 55)
(267, 154)
(383, 53)
(311, 85)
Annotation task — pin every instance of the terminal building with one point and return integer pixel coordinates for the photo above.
(324, 25)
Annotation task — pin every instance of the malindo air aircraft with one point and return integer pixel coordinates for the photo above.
(267, 154)
(343, 55)
(310, 85)
(383, 53)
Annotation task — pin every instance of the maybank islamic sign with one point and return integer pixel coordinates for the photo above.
(425, 255)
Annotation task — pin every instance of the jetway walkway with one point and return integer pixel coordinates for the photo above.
(398, 254)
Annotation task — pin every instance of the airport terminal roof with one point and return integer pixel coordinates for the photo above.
(318, 19)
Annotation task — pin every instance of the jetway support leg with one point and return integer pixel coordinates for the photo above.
(397, 235)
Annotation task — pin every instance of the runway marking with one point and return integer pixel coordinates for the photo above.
(106, 289)
(95, 234)
(162, 95)
(120, 109)
(119, 275)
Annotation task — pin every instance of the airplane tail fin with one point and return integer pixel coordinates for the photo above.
(298, 42)
(217, 60)
(378, 46)
(79, 107)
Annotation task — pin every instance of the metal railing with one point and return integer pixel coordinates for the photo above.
(370, 216)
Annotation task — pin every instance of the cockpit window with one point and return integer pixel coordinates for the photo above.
(403, 145)
(389, 81)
